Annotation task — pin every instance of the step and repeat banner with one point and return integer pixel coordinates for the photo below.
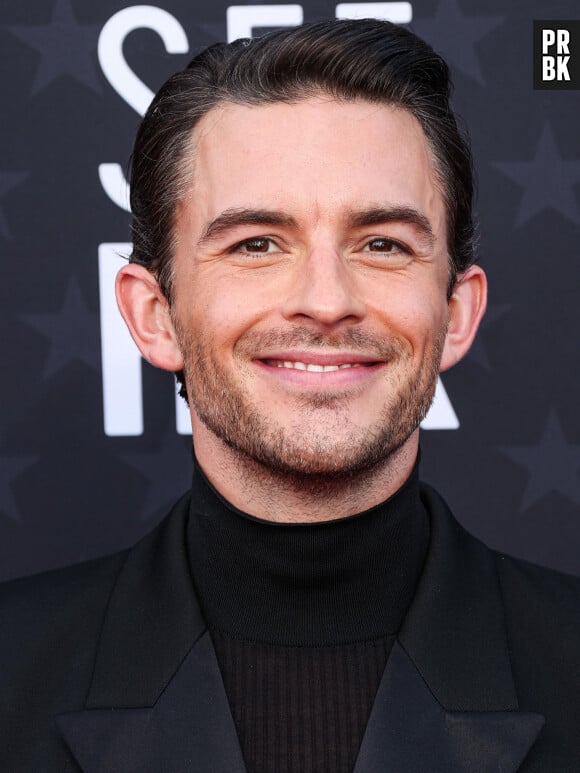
(94, 445)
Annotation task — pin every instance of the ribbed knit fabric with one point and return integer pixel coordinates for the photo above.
(300, 709)
(303, 617)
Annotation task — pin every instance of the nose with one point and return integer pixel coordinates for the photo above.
(324, 290)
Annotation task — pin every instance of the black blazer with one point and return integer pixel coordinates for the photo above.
(107, 667)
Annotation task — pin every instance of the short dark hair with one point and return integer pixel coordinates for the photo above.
(365, 59)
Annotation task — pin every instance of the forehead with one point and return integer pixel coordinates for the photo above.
(314, 158)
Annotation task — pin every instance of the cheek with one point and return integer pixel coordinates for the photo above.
(418, 318)
(220, 311)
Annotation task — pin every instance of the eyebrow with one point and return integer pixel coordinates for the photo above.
(231, 218)
(395, 214)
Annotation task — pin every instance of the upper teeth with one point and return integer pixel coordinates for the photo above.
(313, 367)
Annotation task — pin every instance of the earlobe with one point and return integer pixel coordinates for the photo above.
(466, 308)
(146, 313)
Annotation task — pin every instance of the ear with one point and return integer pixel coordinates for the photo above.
(146, 313)
(466, 308)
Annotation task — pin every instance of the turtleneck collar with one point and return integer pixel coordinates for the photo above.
(314, 584)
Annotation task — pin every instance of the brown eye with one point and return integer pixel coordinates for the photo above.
(383, 245)
(259, 244)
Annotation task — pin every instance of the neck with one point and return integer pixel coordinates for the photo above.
(306, 584)
(282, 497)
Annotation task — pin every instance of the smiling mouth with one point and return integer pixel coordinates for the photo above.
(314, 367)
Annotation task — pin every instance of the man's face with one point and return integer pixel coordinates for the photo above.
(309, 294)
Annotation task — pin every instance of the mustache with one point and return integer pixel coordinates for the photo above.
(353, 340)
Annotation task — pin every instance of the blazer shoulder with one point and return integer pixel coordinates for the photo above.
(542, 609)
(50, 625)
(85, 585)
(542, 617)
(540, 630)
(56, 609)
(524, 582)
(64, 585)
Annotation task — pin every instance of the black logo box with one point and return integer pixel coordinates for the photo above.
(573, 63)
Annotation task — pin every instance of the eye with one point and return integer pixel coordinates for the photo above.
(259, 245)
(386, 246)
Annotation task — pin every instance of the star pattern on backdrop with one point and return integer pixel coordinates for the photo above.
(552, 464)
(547, 180)
(161, 489)
(56, 42)
(8, 181)
(478, 352)
(10, 468)
(456, 35)
(65, 47)
(73, 332)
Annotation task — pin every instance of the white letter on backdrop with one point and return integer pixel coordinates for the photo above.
(122, 78)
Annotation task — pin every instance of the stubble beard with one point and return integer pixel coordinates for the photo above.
(225, 406)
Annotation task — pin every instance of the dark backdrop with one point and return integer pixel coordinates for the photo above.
(90, 457)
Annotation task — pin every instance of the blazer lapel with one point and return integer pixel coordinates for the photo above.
(189, 728)
(157, 701)
(408, 730)
(447, 701)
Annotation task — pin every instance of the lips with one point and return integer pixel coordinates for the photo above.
(290, 357)
(319, 370)
(313, 367)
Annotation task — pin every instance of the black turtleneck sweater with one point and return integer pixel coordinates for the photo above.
(303, 617)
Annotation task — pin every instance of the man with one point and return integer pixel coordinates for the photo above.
(303, 259)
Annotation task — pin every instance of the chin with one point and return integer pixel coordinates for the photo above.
(317, 459)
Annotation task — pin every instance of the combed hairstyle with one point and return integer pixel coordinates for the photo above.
(348, 60)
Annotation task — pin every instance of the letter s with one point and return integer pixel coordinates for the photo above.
(129, 87)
